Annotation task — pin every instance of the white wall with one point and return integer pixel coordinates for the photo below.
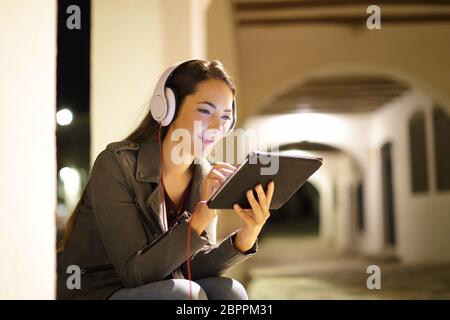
(422, 219)
(131, 46)
(273, 60)
(337, 227)
(28, 161)
(126, 59)
(221, 41)
(347, 132)
(183, 29)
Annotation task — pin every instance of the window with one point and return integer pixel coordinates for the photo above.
(360, 206)
(441, 129)
(418, 152)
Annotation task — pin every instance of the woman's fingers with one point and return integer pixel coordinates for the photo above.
(226, 172)
(216, 174)
(216, 183)
(262, 200)
(270, 191)
(215, 178)
(221, 170)
(210, 184)
(260, 207)
(254, 204)
(218, 165)
(219, 175)
(242, 213)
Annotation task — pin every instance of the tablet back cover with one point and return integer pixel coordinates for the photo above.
(290, 174)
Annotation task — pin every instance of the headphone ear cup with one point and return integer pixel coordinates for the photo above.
(171, 103)
(157, 108)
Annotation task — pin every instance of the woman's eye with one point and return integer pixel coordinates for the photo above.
(226, 117)
(203, 111)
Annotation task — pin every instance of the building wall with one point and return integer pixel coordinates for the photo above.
(221, 40)
(131, 46)
(272, 60)
(422, 218)
(28, 161)
(126, 59)
(348, 133)
(339, 173)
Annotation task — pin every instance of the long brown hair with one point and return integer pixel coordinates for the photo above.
(183, 81)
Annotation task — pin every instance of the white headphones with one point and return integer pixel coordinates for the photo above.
(163, 102)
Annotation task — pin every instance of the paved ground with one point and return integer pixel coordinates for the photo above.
(298, 267)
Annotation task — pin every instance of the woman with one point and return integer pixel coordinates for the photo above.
(119, 236)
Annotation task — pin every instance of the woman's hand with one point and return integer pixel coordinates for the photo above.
(253, 218)
(215, 178)
(202, 217)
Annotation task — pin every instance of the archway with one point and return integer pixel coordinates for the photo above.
(300, 215)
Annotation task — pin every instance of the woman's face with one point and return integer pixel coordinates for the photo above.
(206, 115)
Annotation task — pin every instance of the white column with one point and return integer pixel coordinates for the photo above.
(28, 159)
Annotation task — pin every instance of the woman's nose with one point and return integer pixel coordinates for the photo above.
(215, 124)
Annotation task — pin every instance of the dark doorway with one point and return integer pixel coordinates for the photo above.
(300, 215)
(388, 194)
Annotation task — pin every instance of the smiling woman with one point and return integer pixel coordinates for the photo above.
(205, 115)
(120, 234)
(186, 80)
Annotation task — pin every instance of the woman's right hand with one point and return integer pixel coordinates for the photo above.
(215, 178)
(202, 216)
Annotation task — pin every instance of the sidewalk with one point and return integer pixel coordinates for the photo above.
(296, 267)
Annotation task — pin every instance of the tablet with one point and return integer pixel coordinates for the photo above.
(289, 172)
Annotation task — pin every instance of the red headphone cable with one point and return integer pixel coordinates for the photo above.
(188, 249)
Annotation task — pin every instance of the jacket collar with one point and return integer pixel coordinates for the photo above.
(148, 170)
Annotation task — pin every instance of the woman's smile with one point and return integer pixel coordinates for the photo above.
(206, 141)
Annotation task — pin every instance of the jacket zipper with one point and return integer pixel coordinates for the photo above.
(96, 268)
(150, 225)
(160, 237)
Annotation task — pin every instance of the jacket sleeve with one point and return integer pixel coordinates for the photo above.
(123, 235)
(213, 260)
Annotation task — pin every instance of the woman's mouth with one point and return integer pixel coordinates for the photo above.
(206, 141)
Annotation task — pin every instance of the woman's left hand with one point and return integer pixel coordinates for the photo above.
(253, 218)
